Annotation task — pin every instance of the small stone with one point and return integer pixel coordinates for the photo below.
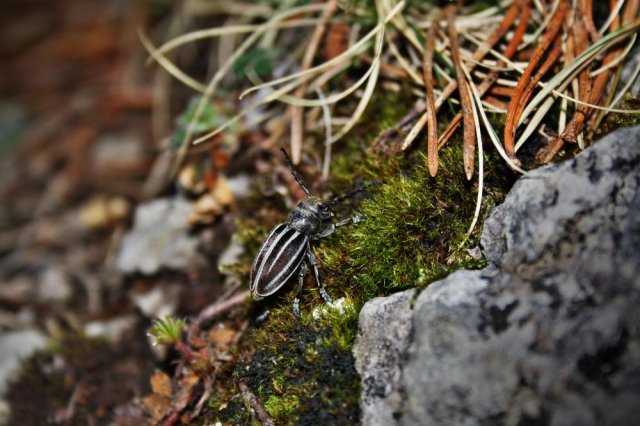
(158, 302)
(160, 239)
(54, 286)
(113, 329)
(16, 346)
(118, 153)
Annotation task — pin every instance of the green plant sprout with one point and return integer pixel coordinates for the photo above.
(167, 331)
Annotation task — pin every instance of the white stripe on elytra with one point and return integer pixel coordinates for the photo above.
(295, 235)
(293, 258)
(266, 256)
(255, 262)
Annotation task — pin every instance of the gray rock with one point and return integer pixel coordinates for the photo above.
(549, 332)
(54, 286)
(384, 331)
(160, 239)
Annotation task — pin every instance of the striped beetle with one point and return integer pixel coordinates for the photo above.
(283, 252)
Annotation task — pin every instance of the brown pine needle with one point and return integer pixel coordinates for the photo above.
(481, 52)
(432, 123)
(581, 43)
(586, 8)
(469, 129)
(590, 91)
(524, 88)
(501, 91)
(511, 49)
(601, 81)
(477, 57)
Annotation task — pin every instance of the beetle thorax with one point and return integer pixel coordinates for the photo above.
(310, 216)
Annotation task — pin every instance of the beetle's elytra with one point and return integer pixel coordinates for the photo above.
(283, 253)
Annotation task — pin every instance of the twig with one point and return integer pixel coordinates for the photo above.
(204, 398)
(253, 402)
(215, 309)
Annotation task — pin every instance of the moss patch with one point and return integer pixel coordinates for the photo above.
(301, 377)
(415, 231)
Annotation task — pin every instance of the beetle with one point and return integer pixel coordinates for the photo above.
(288, 245)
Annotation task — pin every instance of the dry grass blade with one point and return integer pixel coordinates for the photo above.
(169, 66)
(217, 78)
(326, 115)
(371, 83)
(236, 29)
(490, 130)
(333, 62)
(297, 128)
(524, 89)
(303, 76)
(469, 138)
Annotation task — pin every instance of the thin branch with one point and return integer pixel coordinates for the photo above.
(254, 403)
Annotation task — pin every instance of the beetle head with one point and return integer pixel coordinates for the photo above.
(317, 208)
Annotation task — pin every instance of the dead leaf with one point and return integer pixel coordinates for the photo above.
(161, 384)
(205, 211)
(156, 405)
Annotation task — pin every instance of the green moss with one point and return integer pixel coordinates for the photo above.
(414, 232)
(282, 406)
(299, 378)
(614, 121)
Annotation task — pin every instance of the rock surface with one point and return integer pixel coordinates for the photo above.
(385, 324)
(547, 333)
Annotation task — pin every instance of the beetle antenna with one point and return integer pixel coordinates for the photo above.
(352, 193)
(294, 173)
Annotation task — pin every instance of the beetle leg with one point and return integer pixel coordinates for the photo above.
(354, 219)
(314, 265)
(296, 300)
(331, 229)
